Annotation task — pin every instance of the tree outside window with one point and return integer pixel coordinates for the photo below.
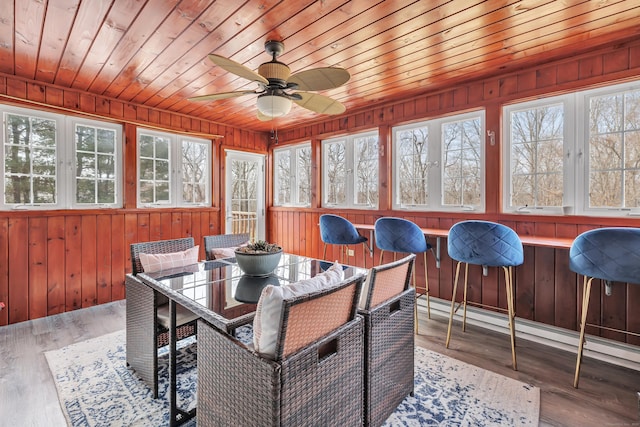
(173, 170)
(580, 150)
(292, 179)
(439, 164)
(96, 172)
(52, 161)
(537, 141)
(350, 171)
(462, 168)
(614, 150)
(30, 157)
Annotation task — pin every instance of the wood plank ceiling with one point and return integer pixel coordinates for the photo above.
(154, 52)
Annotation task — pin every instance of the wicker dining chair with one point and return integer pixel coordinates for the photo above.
(387, 306)
(220, 241)
(147, 312)
(315, 378)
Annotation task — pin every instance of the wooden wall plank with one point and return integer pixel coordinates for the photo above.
(37, 257)
(73, 262)
(55, 268)
(119, 252)
(566, 290)
(525, 285)
(104, 253)
(18, 304)
(89, 240)
(4, 270)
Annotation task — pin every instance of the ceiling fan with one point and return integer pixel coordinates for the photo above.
(278, 88)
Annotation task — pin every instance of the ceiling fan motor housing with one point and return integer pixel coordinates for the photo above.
(276, 72)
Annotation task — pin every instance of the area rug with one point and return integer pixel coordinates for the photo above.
(95, 388)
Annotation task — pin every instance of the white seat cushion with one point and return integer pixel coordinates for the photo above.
(183, 316)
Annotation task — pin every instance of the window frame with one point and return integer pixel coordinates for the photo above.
(66, 149)
(119, 172)
(350, 176)
(576, 155)
(175, 169)
(294, 175)
(436, 160)
(568, 199)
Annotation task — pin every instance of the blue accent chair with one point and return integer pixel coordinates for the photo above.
(336, 230)
(490, 245)
(399, 235)
(611, 254)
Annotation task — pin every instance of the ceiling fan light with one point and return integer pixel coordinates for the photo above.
(273, 105)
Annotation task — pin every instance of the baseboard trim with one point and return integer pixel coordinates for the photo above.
(598, 348)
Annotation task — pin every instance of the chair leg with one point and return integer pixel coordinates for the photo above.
(586, 293)
(453, 304)
(381, 253)
(426, 284)
(324, 252)
(464, 298)
(508, 278)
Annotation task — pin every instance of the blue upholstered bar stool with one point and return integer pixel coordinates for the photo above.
(490, 245)
(399, 235)
(611, 254)
(336, 230)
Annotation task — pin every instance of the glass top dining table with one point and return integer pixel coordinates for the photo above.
(221, 294)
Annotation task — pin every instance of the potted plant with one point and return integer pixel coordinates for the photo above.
(258, 258)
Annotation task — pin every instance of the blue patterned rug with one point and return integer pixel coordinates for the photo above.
(95, 388)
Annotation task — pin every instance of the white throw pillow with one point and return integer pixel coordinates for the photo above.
(218, 253)
(158, 262)
(266, 323)
(365, 291)
(230, 252)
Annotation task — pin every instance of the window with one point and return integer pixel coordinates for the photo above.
(292, 168)
(536, 132)
(579, 151)
(173, 170)
(438, 164)
(613, 140)
(96, 164)
(38, 146)
(350, 171)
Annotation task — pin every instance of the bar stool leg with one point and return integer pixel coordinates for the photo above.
(586, 293)
(453, 304)
(464, 298)
(426, 284)
(508, 278)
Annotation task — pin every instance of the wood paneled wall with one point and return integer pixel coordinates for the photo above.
(546, 290)
(56, 261)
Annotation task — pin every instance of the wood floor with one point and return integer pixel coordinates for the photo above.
(606, 397)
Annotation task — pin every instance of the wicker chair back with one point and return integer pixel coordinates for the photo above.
(157, 247)
(388, 280)
(223, 241)
(307, 318)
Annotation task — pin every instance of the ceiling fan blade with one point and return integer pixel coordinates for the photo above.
(222, 95)
(237, 68)
(319, 103)
(320, 78)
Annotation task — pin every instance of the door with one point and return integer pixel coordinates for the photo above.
(245, 193)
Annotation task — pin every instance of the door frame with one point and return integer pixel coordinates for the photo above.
(235, 155)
